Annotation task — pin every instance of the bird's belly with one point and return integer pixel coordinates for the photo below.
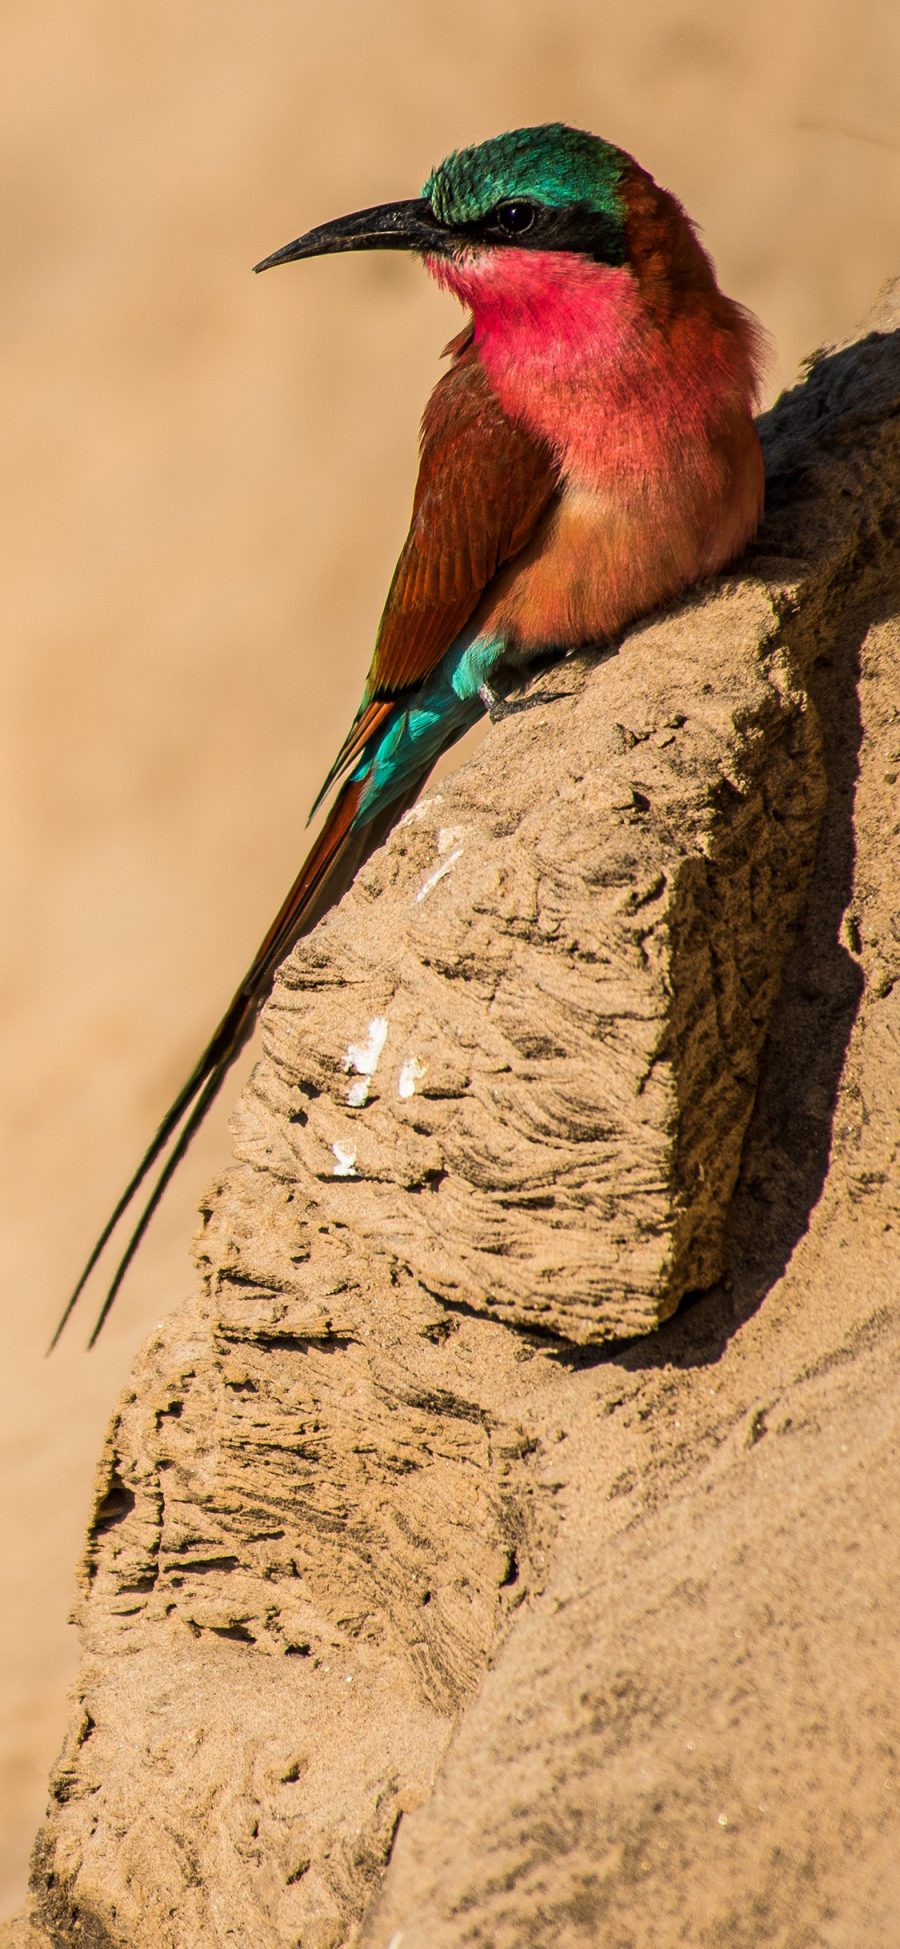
(605, 555)
(595, 564)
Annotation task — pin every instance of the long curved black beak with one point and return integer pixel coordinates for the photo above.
(387, 226)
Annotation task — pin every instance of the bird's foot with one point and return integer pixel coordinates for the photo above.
(498, 707)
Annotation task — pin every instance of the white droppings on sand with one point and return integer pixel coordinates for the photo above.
(364, 1057)
(449, 837)
(420, 810)
(411, 1070)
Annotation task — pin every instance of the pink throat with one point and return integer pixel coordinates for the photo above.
(572, 354)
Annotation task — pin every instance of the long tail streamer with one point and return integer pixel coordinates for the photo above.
(331, 864)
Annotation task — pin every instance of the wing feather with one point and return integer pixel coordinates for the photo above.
(483, 484)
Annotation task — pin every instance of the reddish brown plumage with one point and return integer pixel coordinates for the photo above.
(641, 378)
(483, 484)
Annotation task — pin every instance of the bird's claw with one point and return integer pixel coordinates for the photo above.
(498, 707)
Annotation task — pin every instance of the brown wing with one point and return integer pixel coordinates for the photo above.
(483, 485)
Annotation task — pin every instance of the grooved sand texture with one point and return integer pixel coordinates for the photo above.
(364, 1544)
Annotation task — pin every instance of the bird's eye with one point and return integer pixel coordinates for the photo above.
(515, 218)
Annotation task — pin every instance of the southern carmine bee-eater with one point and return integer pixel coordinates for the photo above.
(590, 453)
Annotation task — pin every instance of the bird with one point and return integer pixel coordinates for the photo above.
(589, 454)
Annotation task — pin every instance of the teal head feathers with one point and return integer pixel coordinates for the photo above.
(544, 188)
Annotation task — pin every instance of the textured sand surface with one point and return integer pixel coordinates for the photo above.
(206, 484)
(594, 1613)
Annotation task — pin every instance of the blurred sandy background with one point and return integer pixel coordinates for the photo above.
(206, 482)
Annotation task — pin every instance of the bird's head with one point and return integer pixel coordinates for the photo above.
(556, 240)
(547, 189)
